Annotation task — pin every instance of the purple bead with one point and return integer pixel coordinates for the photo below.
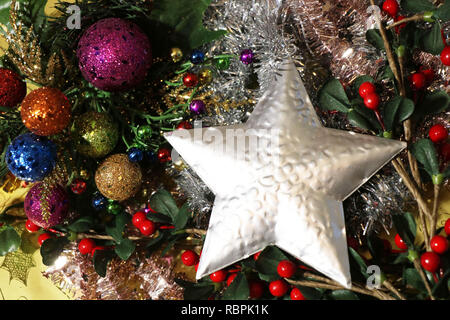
(46, 205)
(197, 106)
(114, 54)
(247, 56)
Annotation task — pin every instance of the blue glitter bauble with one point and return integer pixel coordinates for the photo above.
(99, 202)
(30, 157)
(197, 57)
(135, 155)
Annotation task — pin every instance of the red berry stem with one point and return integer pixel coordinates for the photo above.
(380, 119)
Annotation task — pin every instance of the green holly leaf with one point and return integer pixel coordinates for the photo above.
(396, 111)
(443, 12)
(416, 6)
(441, 289)
(412, 277)
(358, 262)
(163, 202)
(310, 293)
(124, 249)
(101, 260)
(425, 152)
(343, 295)
(358, 120)
(52, 248)
(431, 40)
(196, 291)
(185, 17)
(406, 227)
(333, 97)
(182, 217)
(238, 289)
(432, 103)
(158, 217)
(373, 36)
(115, 229)
(9, 240)
(386, 73)
(82, 224)
(268, 260)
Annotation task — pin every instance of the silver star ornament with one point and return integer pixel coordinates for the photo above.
(280, 179)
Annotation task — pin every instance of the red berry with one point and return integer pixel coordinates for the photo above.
(418, 81)
(43, 237)
(445, 56)
(444, 151)
(31, 227)
(97, 248)
(278, 288)
(372, 101)
(391, 7)
(352, 243)
(430, 261)
(256, 255)
(147, 227)
(256, 289)
(447, 227)
(438, 133)
(164, 155)
(86, 246)
(190, 80)
(138, 218)
(400, 243)
(439, 244)
(296, 294)
(184, 125)
(366, 88)
(429, 75)
(286, 268)
(400, 27)
(231, 278)
(189, 258)
(78, 186)
(218, 276)
(196, 267)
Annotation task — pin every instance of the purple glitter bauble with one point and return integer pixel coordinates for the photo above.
(197, 106)
(247, 56)
(46, 205)
(114, 54)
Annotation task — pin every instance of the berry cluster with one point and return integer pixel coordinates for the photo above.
(367, 91)
(145, 226)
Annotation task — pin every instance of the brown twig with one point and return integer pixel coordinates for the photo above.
(418, 267)
(417, 17)
(437, 191)
(391, 288)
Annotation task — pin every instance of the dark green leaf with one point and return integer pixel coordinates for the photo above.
(196, 291)
(52, 248)
(310, 293)
(443, 12)
(115, 230)
(359, 81)
(238, 289)
(9, 240)
(158, 217)
(416, 6)
(376, 247)
(358, 120)
(268, 260)
(185, 17)
(101, 260)
(359, 262)
(182, 217)
(412, 278)
(83, 224)
(425, 152)
(432, 40)
(7, 219)
(441, 289)
(369, 115)
(333, 97)
(401, 258)
(153, 244)
(124, 249)
(396, 111)
(387, 73)
(406, 227)
(343, 295)
(163, 202)
(373, 36)
(434, 102)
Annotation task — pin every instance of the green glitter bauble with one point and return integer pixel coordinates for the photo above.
(222, 63)
(95, 134)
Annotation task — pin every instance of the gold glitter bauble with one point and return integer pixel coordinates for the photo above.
(205, 76)
(118, 178)
(176, 54)
(46, 111)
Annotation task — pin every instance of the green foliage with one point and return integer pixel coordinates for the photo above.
(343, 295)
(9, 240)
(125, 248)
(238, 289)
(116, 228)
(443, 12)
(396, 111)
(333, 97)
(358, 262)
(267, 263)
(432, 103)
(412, 277)
(425, 152)
(196, 291)
(52, 248)
(83, 224)
(101, 260)
(359, 81)
(406, 227)
(163, 203)
(373, 36)
(416, 6)
(431, 40)
(31, 12)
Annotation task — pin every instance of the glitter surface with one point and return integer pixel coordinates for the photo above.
(95, 134)
(46, 111)
(117, 178)
(12, 88)
(114, 54)
(46, 204)
(30, 157)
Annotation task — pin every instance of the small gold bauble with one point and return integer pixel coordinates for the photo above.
(118, 178)
(176, 54)
(205, 76)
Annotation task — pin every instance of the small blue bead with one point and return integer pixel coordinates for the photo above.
(151, 156)
(197, 57)
(99, 202)
(135, 155)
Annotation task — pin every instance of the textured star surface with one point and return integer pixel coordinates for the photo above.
(280, 179)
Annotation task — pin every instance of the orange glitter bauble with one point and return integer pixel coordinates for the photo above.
(46, 111)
